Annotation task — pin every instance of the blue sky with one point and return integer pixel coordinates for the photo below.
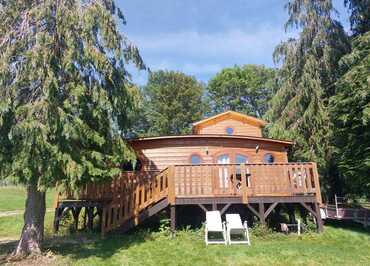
(200, 37)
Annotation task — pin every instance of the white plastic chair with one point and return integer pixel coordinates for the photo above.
(214, 224)
(235, 227)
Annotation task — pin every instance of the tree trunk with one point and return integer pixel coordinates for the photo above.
(33, 229)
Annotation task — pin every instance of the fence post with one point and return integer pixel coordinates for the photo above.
(336, 205)
(171, 185)
(244, 184)
(317, 183)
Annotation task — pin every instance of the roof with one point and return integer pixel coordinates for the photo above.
(286, 142)
(231, 114)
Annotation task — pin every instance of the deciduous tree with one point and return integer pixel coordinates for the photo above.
(245, 89)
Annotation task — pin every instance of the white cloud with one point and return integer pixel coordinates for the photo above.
(233, 43)
(204, 54)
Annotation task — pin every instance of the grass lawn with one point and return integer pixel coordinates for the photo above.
(340, 244)
(14, 198)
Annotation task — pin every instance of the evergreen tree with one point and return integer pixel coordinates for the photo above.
(299, 110)
(172, 101)
(360, 15)
(350, 109)
(64, 99)
(245, 89)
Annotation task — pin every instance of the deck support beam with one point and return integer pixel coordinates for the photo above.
(269, 210)
(316, 214)
(173, 217)
(203, 208)
(90, 217)
(225, 208)
(261, 208)
(253, 210)
(76, 213)
(319, 223)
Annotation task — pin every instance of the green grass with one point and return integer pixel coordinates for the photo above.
(340, 244)
(14, 198)
(335, 247)
(11, 226)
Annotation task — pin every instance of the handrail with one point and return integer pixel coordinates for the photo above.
(132, 192)
(247, 180)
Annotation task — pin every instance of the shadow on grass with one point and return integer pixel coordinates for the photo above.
(83, 244)
(80, 246)
(6, 247)
(348, 225)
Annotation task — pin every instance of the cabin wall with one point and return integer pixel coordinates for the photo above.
(239, 127)
(159, 154)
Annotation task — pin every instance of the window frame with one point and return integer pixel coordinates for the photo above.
(241, 154)
(267, 154)
(198, 155)
(232, 128)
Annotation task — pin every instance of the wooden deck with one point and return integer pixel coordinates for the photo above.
(130, 198)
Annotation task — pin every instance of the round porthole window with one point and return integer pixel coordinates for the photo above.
(268, 158)
(195, 159)
(229, 130)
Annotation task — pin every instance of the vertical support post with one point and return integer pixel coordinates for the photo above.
(261, 208)
(214, 206)
(319, 223)
(336, 205)
(57, 217)
(173, 217)
(171, 185)
(90, 217)
(76, 213)
(291, 214)
(317, 183)
(103, 221)
(244, 183)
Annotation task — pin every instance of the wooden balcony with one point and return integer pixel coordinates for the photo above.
(135, 195)
(210, 180)
(246, 180)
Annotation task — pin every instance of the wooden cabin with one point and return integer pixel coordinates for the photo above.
(225, 161)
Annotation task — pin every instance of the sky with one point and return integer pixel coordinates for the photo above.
(200, 37)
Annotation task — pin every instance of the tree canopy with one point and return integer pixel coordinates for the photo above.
(360, 15)
(299, 109)
(172, 101)
(350, 109)
(64, 98)
(245, 89)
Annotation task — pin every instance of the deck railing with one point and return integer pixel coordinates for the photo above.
(132, 192)
(208, 180)
(247, 180)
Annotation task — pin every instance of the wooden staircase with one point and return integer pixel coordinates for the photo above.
(124, 202)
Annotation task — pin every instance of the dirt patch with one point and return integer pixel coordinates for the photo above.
(47, 258)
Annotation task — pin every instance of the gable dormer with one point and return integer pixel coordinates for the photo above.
(230, 123)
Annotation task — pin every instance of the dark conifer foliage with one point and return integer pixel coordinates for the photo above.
(64, 98)
(171, 102)
(299, 109)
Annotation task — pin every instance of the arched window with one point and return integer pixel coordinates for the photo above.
(240, 159)
(268, 158)
(195, 159)
(229, 130)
